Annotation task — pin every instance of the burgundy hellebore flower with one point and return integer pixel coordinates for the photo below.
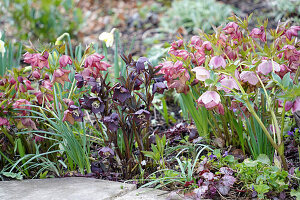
(217, 62)
(105, 152)
(249, 76)
(121, 94)
(60, 76)
(112, 122)
(96, 86)
(265, 67)
(141, 115)
(65, 60)
(43, 97)
(201, 73)
(211, 100)
(73, 113)
(259, 33)
(4, 122)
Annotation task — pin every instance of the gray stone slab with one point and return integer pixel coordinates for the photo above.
(149, 194)
(75, 188)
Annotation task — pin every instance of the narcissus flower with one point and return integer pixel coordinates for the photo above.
(201, 73)
(65, 60)
(265, 67)
(108, 38)
(211, 100)
(60, 76)
(217, 62)
(2, 46)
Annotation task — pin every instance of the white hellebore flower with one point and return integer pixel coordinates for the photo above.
(108, 38)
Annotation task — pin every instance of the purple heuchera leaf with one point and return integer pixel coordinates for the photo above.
(112, 122)
(208, 176)
(226, 171)
(201, 191)
(228, 180)
(121, 94)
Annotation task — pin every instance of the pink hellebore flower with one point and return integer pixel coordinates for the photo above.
(295, 106)
(292, 31)
(229, 84)
(259, 33)
(4, 122)
(94, 60)
(249, 76)
(217, 62)
(265, 67)
(198, 58)
(207, 46)
(232, 29)
(201, 73)
(196, 42)
(60, 76)
(211, 100)
(65, 60)
(37, 60)
(19, 104)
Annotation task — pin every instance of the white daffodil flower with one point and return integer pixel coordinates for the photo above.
(108, 38)
(2, 48)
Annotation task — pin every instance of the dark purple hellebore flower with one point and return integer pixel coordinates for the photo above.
(137, 83)
(96, 86)
(95, 104)
(141, 116)
(121, 94)
(80, 80)
(159, 87)
(140, 64)
(77, 113)
(112, 122)
(105, 151)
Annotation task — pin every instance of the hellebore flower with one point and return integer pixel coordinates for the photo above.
(141, 115)
(4, 122)
(137, 81)
(105, 151)
(265, 67)
(2, 47)
(292, 31)
(18, 104)
(196, 42)
(210, 100)
(80, 80)
(249, 76)
(37, 60)
(121, 94)
(112, 122)
(41, 97)
(201, 73)
(259, 33)
(73, 113)
(96, 86)
(27, 122)
(217, 62)
(159, 87)
(94, 60)
(60, 76)
(232, 29)
(229, 83)
(36, 74)
(108, 38)
(140, 64)
(65, 60)
(295, 106)
(95, 104)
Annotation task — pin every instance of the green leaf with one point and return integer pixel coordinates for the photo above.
(17, 176)
(263, 158)
(296, 194)
(262, 188)
(276, 78)
(286, 80)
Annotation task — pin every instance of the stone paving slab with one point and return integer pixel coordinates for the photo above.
(148, 194)
(74, 188)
